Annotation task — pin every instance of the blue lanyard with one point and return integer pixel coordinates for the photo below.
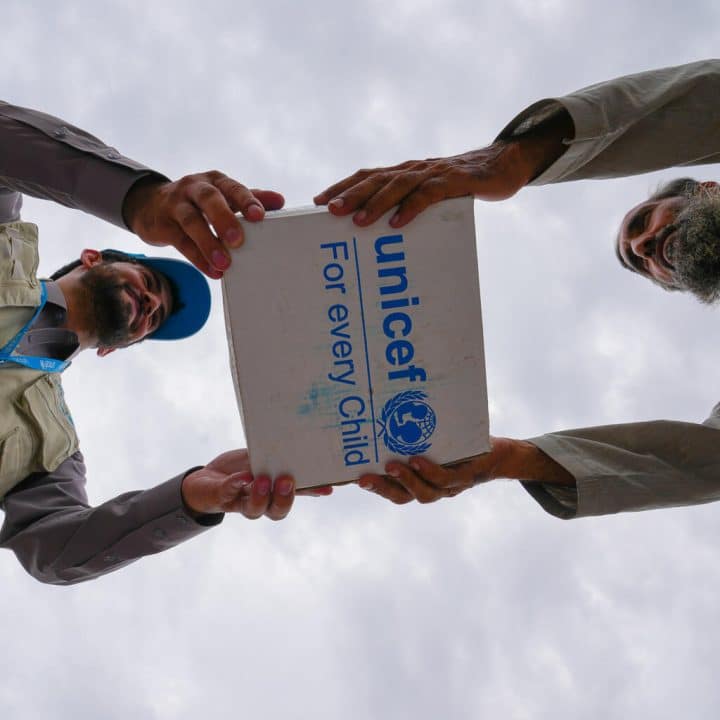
(43, 364)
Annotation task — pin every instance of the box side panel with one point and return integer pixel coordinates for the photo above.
(232, 355)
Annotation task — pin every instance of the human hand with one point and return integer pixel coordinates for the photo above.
(426, 481)
(227, 485)
(495, 172)
(185, 212)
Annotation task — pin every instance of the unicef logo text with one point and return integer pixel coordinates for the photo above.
(407, 422)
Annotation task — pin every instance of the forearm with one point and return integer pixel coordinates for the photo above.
(48, 158)
(531, 152)
(520, 460)
(60, 539)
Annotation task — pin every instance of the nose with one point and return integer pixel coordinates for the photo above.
(151, 302)
(644, 245)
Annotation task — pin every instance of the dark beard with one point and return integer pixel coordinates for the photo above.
(111, 314)
(695, 250)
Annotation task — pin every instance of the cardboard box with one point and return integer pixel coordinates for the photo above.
(350, 346)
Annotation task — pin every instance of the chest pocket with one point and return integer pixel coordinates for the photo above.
(43, 435)
(43, 403)
(18, 256)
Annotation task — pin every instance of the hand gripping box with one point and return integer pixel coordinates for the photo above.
(350, 346)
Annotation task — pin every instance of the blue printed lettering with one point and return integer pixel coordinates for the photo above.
(397, 326)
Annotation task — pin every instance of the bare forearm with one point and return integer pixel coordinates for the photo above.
(519, 460)
(536, 149)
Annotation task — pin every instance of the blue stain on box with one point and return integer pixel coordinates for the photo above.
(320, 400)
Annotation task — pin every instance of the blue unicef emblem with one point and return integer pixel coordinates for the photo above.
(407, 421)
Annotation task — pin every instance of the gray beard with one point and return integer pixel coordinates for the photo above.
(111, 314)
(695, 250)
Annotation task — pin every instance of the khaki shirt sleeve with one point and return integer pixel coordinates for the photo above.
(48, 158)
(632, 467)
(639, 123)
(61, 540)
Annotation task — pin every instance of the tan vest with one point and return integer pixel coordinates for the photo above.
(36, 430)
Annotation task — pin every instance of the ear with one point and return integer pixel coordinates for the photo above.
(103, 351)
(90, 258)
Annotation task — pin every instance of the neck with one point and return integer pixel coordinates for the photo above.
(79, 311)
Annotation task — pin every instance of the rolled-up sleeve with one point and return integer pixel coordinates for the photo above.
(48, 158)
(59, 539)
(633, 467)
(639, 123)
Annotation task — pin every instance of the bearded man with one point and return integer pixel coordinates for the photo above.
(105, 301)
(633, 124)
(673, 238)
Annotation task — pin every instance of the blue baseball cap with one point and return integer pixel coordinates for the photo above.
(190, 292)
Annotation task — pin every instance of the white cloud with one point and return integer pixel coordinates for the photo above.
(482, 606)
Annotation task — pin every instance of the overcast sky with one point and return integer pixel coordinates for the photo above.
(480, 606)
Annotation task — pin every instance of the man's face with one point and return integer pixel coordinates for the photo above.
(129, 301)
(675, 241)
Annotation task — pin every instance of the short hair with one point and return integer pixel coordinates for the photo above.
(675, 188)
(108, 256)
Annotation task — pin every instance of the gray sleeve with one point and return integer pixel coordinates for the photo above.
(632, 467)
(61, 540)
(48, 158)
(663, 118)
(10, 204)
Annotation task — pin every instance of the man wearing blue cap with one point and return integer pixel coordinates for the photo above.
(119, 298)
(105, 300)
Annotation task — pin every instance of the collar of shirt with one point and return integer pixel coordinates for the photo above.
(47, 337)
